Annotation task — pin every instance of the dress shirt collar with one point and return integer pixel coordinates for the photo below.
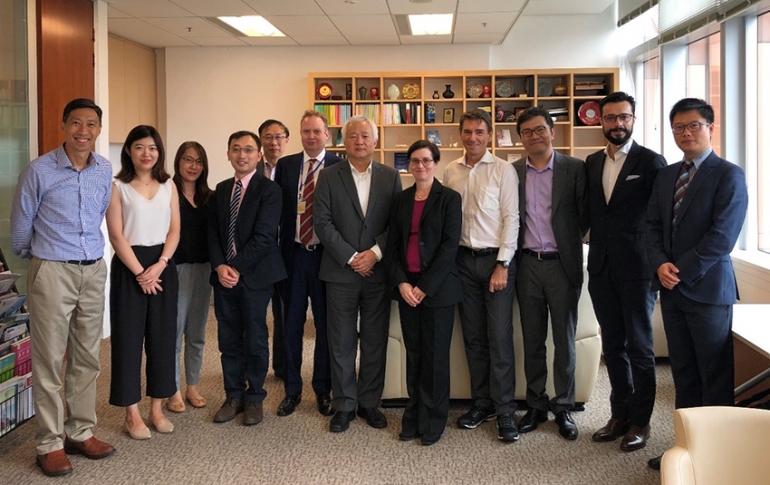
(487, 158)
(624, 149)
(698, 159)
(321, 156)
(365, 172)
(245, 179)
(63, 160)
(549, 166)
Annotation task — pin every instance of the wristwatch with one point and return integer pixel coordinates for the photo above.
(504, 264)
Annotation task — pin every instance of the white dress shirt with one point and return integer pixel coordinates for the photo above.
(612, 168)
(490, 202)
(363, 181)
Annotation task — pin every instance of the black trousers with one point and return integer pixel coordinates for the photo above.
(142, 320)
(427, 336)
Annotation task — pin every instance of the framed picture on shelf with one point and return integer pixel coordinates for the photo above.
(449, 115)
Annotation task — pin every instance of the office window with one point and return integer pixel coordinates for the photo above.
(763, 145)
(651, 108)
(703, 70)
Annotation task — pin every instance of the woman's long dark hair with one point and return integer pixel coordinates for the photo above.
(127, 170)
(202, 190)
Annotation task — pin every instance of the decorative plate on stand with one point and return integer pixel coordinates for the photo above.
(474, 89)
(324, 91)
(588, 113)
(410, 90)
(504, 88)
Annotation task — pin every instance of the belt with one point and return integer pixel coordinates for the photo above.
(83, 262)
(308, 247)
(542, 256)
(480, 252)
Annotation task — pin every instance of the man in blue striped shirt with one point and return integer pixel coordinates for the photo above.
(56, 220)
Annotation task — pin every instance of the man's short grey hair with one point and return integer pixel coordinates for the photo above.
(361, 119)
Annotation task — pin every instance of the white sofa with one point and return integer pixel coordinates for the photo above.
(588, 349)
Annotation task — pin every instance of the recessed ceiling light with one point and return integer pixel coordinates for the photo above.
(253, 26)
(433, 24)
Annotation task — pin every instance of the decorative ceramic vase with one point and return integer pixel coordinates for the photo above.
(361, 93)
(393, 91)
(435, 95)
(448, 94)
(560, 89)
(374, 92)
(486, 91)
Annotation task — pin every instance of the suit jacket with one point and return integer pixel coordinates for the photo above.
(569, 211)
(439, 239)
(340, 224)
(257, 258)
(709, 221)
(617, 226)
(287, 174)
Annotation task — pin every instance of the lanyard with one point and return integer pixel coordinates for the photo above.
(302, 183)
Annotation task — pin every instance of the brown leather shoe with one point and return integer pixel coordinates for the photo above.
(611, 431)
(91, 448)
(635, 438)
(229, 409)
(54, 464)
(252, 413)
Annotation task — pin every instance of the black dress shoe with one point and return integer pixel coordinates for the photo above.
(341, 421)
(373, 417)
(532, 420)
(474, 417)
(635, 438)
(408, 434)
(288, 405)
(614, 429)
(325, 404)
(428, 440)
(567, 428)
(506, 428)
(654, 463)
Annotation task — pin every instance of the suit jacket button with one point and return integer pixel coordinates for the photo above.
(422, 243)
(425, 264)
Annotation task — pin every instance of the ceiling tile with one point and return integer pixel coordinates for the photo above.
(373, 40)
(375, 25)
(490, 38)
(114, 13)
(285, 7)
(303, 25)
(478, 6)
(219, 8)
(473, 23)
(312, 40)
(179, 26)
(405, 7)
(149, 8)
(268, 41)
(425, 39)
(363, 7)
(217, 41)
(560, 7)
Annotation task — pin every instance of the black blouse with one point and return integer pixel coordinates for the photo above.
(193, 236)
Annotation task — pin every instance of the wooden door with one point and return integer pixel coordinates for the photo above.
(65, 63)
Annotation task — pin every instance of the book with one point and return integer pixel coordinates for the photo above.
(7, 280)
(504, 137)
(433, 137)
(11, 303)
(400, 162)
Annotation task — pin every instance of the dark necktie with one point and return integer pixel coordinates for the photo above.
(234, 202)
(306, 218)
(685, 175)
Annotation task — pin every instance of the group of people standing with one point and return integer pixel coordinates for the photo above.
(344, 235)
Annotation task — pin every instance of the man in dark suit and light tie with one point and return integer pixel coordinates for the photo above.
(553, 205)
(695, 214)
(351, 210)
(301, 250)
(620, 179)
(274, 136)
(246, 261)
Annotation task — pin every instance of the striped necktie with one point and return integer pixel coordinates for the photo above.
(685, 176)
(234, 203)
(306, 218)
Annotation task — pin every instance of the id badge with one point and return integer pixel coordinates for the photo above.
(301, 207)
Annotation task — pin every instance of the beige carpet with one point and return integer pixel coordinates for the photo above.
(299, 449)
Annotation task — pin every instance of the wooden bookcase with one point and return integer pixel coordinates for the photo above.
(530, 88)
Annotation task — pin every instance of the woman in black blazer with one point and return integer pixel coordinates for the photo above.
(423, 238)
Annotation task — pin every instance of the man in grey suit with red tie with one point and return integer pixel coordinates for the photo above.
(302, 251)
(351, 214)
(620, 179)
(695, 215)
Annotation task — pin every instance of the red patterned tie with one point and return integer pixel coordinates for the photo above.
(306, 218)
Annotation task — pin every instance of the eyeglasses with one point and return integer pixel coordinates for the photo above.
(540, 130)
(246, 150)
(625, 118)
(192, 161)
(278, 138)
(421, 161)
(691, 127)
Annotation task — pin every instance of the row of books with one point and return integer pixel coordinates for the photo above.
(16, 404)
(336, 114)
(402, 113)
(371, 111)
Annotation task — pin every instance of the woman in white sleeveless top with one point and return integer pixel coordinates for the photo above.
(143, 224)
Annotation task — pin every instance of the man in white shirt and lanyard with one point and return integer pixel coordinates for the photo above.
(275, 136)
(350, 217)
(490, 192)
(297, 175)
